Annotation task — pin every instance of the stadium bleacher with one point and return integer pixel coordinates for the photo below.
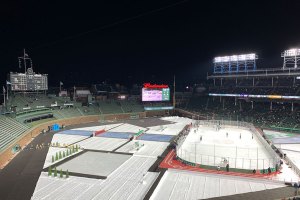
(109, 107)
(10, 130)
(267, 113)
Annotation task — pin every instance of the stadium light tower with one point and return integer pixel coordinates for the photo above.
(291, 58)
(235, 63)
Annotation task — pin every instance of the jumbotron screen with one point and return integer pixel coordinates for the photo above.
(155, 93)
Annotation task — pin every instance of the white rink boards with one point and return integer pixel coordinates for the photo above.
(238, 147)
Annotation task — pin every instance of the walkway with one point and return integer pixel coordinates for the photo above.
(170, 162)
(19, 177)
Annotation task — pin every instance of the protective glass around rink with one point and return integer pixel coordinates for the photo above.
(218, 143)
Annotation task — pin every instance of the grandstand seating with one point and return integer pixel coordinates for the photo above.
(39, 105)
(107, 107)
(66, 113)
(10, 130)
(281, 114)
(261, 115)
(131, 106)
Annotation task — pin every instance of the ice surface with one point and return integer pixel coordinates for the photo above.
(238, 148)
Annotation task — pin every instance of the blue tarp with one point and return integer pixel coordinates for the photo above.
(55, 127)
(121, 135)
(77, 132)
(156, 137)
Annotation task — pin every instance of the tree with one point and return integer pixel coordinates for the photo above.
(49, 171)
(53, 158)
(61, 173)
(67, 174)
(64, 155)
(56, 156)
(67, 152)
(55, 172)
(60, 155)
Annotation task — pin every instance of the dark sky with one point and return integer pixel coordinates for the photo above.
(141, 41)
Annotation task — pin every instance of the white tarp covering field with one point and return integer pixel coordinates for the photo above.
(97, 128)
(127, 128)
(102, 143)
(130, 181)
(178, 119)
(52, 152)
(147, 148)
(192, 185)
(64, 139)
(168, 129)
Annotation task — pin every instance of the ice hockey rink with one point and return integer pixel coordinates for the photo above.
(237, 146)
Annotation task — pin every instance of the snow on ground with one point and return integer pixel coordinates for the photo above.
(102, 143)
(169, 129)
(147, 148)
(127, 128)
(192, 185)
(215, 146)
(64, 139)
(97, 128)
(130, 181)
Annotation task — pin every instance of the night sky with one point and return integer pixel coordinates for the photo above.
(136, 41)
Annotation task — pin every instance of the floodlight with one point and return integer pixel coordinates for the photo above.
(234, 58)
(291, 52)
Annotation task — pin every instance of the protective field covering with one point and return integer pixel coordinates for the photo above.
(177, 185)
(156, 137)
(127, 128)
(66, 139)
(116, 135)
(77, 132)
(131, 181)
(96, 128)
(102, 143)
(143, 147)
(94, 163)
(168, 129)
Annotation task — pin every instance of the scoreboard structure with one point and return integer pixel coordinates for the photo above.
(155, 92)
(28, 81)
(157, 95)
